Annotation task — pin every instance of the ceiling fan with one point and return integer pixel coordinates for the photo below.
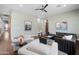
(43, 8)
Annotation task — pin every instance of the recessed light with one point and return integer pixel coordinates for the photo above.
(20, 5)
(58, 5)
(61, 5)
(64, 5)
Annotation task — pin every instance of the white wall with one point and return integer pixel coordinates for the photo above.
(71, 17)
(17, 24)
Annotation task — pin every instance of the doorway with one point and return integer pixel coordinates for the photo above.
(5, 35)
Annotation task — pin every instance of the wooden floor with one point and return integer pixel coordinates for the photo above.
(5, 47)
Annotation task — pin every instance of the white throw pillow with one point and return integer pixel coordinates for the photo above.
(69, 37)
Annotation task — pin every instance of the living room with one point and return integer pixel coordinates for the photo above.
(28, 22)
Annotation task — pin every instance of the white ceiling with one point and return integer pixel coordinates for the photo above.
(30, 9)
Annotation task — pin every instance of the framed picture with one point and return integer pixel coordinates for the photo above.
(58, 26)
(61, 25)
(28, 25)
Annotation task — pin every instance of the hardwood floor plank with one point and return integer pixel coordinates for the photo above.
(5, 47)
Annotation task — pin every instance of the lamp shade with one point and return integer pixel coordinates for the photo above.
(21, 39)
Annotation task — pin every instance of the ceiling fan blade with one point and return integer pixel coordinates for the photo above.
(45, 6)
(45, 10)
(37, 9)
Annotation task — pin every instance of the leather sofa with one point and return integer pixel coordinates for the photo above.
(64, 45)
